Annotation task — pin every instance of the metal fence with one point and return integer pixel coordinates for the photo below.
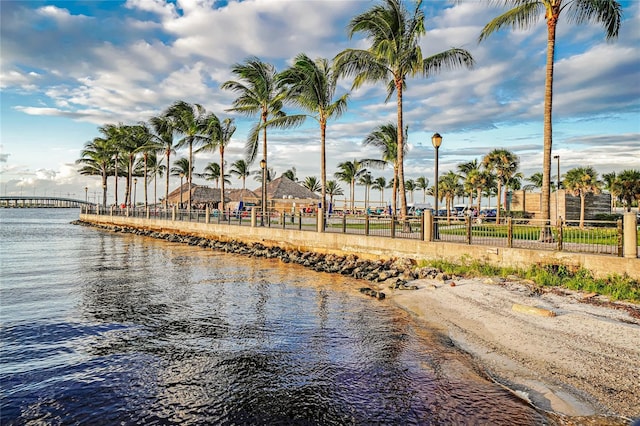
(601, 237)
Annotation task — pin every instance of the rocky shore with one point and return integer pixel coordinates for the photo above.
(574, 355)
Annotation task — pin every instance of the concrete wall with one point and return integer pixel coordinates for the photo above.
(371, 247)
(568, 205)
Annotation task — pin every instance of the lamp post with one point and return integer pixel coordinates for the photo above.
(436, 140)
(181, 177)
(135, 185)
(86, 194)
(263, 166)
(557, 157)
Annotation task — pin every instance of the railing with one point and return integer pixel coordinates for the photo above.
(601, 237)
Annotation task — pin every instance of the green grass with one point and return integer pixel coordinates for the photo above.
(617, 287)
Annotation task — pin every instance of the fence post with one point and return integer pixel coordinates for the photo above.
(284, 220)
(254, 217)
(300, 220)
(630, 244)
(509, 232)
(344, 223)
(173, 213)
(468, 223)
(560, 232)
(366, 224)
(427, 225)
(393, 226)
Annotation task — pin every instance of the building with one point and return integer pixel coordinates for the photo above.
(562, 205)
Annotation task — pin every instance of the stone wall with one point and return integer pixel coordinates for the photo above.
(372, 247)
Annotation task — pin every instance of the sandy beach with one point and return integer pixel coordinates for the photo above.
(568, 352)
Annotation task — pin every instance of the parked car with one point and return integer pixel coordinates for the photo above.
(488, 214)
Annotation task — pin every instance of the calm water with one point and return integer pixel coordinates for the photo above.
(101, 328)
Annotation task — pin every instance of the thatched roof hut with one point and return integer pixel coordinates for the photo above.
(200, 195)
(285, 188)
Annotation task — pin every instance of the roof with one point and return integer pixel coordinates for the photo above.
(239, 194)
(199, 194)
(283, 187)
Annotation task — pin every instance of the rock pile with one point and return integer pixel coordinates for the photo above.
(393, 273)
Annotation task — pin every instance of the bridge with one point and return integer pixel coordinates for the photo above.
(32, 201)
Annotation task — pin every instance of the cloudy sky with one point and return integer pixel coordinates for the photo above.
(68, 67)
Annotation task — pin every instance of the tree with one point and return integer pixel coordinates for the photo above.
(349, 172)
(422, 184)
(291, 174)
(627, 185)
(504, 164)
(536, 182)
(163, 134)
(97, 160)
(134, 140)
(379, 184)
(608, 180)
(312, 86)
(449, 187)
(394, 55)
(218, 136)
(241, 169)
(581, 181)
(191, 122)
(156, 168)
(466, 171)
(524, 15)
(333, 189)
(312, 184)
(410, 186)
(213, 172)
(259, 93)
(366, 180)
(385, 138)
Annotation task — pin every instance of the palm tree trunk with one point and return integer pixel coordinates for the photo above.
(323, 174)
(115, 165)
(222, 207)
(400, 153)
(146, 201)
(166, 189)
(104, 189)
(548, 135)
(190, 173)
(498, 201)
(582, 198)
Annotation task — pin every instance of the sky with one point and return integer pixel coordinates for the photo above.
(69, 67)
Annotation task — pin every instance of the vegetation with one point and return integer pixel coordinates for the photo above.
(617, 287)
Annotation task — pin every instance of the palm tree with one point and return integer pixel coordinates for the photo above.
(581, 181)
(312, 184)
(379, 184)
(114, 134)
(333, 189)
(97, 160)
(148, 150)
(349, 172)
(241, 169)
(260, 94)
(410, 186)
(191, 121)
(627, 185)
(524, 15)
(156, 168)
(385, 138)
(181, 168)
(135, 139)
(449, 187)
(218, 136)
(213, 172)
(366, 180)
(466, 169)
(291, 174)
(608, 180)
(422, 184)
(504, 164)
(394, 55)
(163, 133)
(312, 86)
(536, 182)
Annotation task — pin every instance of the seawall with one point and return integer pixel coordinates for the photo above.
(372, 247)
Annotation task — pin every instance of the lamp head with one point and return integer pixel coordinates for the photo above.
(555, 157)
(436, 140)
(263, 164)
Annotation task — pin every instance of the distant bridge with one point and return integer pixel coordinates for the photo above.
(28, 201)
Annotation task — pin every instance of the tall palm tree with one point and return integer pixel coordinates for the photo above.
(241, 169)
(213, 172)
(581, 181)
(379, 184)
(135, 139)
(410, 186)
(524, 14)
(465, 170)
(164, 135)
(394, 55)
(422, 184)
(385, 138)
(191, 122)
(349, 172)
(218, 136)
(504, 164)
(148, 150)
(312, 184)
(97, 160)
(114, 134)
(155, 168)
(536, 182)
(333, 189)
(259, 93)
(181, 168)
(608, 180)
(366, 180)
(312, 87)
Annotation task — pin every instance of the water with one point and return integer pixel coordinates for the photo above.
(101, 328)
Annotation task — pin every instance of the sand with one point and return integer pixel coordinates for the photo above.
(582, 361)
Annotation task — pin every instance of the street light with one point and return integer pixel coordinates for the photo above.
(557, 157)
(436, 140)
(263, 166)
(135, 185)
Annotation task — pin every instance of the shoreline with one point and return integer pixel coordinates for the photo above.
(582, 362)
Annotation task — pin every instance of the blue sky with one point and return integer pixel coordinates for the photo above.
(68, 67)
